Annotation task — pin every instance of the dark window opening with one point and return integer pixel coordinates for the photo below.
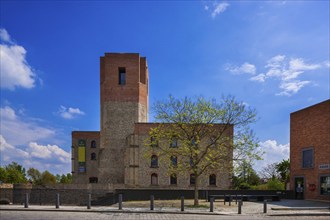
(173, 179)
(93, 179)
(192, 179)
(174, 161)
(154, 142)
(122, 75)
(154, 161)
(174, 142)
(154, 179)
(93, 156)
(325, 185)
(307, 160)
(213, 180)
(93, 144)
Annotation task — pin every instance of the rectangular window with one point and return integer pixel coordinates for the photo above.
(122, 75)
(325, 185)
(307, 158)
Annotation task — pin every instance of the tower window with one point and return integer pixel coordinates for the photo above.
(93, 156)
(154, 179)
(93, 144)
(122, 75)
(213, 180)
(154, 161)
(173, 179)
(174, 161)
(192, 179)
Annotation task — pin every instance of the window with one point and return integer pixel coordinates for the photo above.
(93, 179)
(325, 185)
(122, 75)
(174, 142)
(154, 142)
(154, 179)
(174, 161)
(212, 180)
(173, 179)
(93, 156)
(93, 144)
(191, 162)
(307, 158)
(192, 179)
(154, 161)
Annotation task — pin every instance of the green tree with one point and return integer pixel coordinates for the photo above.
(47, 178)
(3, 175)
(64, 178)
(15, 173)
(203, 128)
(283, 169)
(35, 176)
(246, 177)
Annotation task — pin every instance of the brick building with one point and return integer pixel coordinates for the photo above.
(310, 152)
(115, 154)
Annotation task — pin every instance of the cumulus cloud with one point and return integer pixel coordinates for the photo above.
(19, 131)
(69, 113)
(286, 70)
(244, 68)
(15, 70)
(42, 157)
(274, 153)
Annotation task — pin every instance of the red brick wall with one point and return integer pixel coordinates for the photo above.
(310, 128)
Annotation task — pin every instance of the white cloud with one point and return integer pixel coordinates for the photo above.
(219, 8)
(279, 67)
(15, 70)
(244, 68)
(274, 153)
(20, 132)
(69, 113)
(42, 157)
(4, 36)
(206, 7)
(289, 88)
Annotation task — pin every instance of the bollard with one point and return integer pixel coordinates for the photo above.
(240, 207)
(236, 200)
(182, 203)
(230, 200)
(57, 204)
(120, 201)
(89, 202)
(26, 204)
(152, 198)
(211, 204)
(224, 199)
(265, 206)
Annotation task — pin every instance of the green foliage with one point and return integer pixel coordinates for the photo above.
(283, 169)
(64, 178)
(275, 184)
(13, 173)
(203, 130)
(35, 176)
(47, 178)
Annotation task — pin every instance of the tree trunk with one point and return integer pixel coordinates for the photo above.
(196, 191)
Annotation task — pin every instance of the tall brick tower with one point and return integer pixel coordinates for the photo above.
(124, 101)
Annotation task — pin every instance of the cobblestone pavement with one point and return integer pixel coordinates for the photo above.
(41, 215)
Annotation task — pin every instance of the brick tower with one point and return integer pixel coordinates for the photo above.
(124, 101)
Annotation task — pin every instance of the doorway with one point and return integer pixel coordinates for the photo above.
(299, 183)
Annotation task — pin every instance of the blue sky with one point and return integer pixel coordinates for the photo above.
(273, 56)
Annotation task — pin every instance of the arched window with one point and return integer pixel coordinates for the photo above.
(154, 179)
(93, 144)
(213, 180)
(174, 161)
(192, 179)
(93, 156)
(173, 179)
(174, 142)
(154, 161)
(154, 142)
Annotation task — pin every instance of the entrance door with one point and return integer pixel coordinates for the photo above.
(299, 183)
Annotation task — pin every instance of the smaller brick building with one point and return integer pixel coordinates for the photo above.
(310, 152)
